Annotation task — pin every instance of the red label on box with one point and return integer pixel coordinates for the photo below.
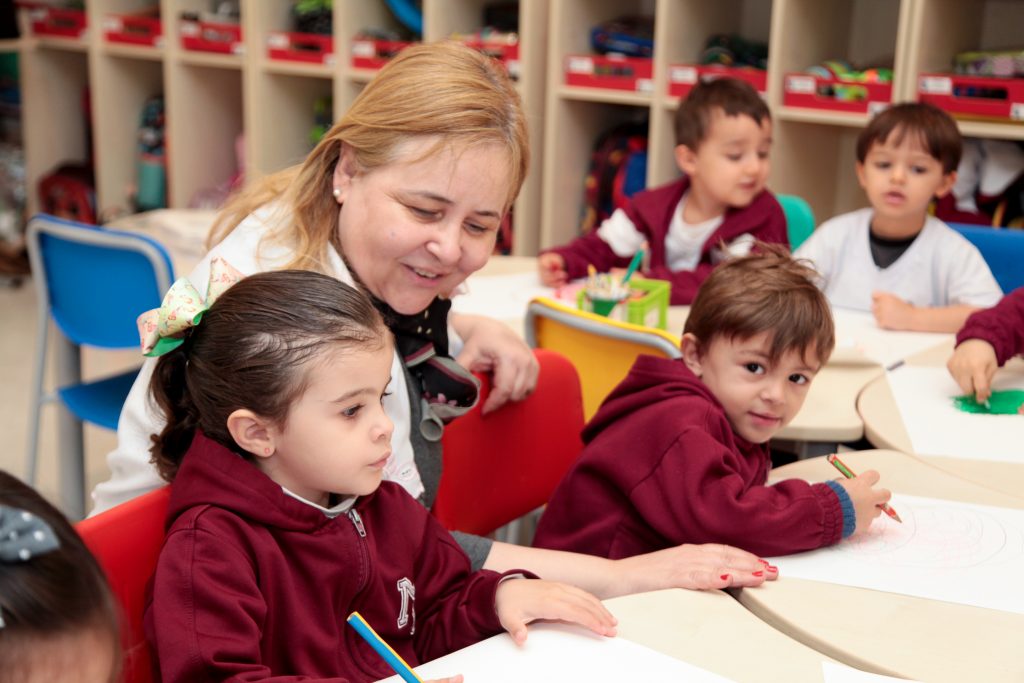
(133, 30)
(1000, 98)
(832, 94)
(682, 77)
(51, 21)
(316, 48)
(208, 36)
(373, 54)
(610, 72)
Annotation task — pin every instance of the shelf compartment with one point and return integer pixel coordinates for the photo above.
(313, 48)
(131, 29)
(813, 92)
(54, 21)
(610, 72)
(373, 54)
(211, 36)
(682, 77)
(1000, 99)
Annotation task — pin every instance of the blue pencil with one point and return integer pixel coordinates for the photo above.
(393, 659)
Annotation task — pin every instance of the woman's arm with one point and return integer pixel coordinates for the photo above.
(697, 567)
(491, 346)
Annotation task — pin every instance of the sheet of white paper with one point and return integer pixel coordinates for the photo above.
(937, 427)
(838, 673)
(559, 653)
(857, 336)
(503, 297)
(944, 550)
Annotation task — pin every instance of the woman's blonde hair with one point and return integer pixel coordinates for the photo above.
(444, 90)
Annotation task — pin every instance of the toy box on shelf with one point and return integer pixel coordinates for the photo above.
(682, 77)
(317, 48)
(834, 94)
(373, 54)
(960, 95)
(133, 29)
(646, 305)
(612, 72)
(55, 21)
(505, 50)
(211, 36)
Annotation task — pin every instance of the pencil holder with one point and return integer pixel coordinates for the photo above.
(646, 305)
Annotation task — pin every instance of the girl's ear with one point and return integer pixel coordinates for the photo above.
(252, 433)
(690, 346)
(344, 172)
(686, 159)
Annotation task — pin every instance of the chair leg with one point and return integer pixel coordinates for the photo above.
(35, 408)
(71, 456)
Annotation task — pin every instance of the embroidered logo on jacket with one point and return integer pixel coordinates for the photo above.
(408, 592)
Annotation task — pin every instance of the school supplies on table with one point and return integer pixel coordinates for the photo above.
(848, 473)
(1001, 402)
(393, 659)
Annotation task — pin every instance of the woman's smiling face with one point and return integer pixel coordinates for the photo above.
(416, 228)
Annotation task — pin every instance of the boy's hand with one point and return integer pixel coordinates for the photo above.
(972, 365)
(552, 270)
(866, 499)
(520, 601)
(891, 312)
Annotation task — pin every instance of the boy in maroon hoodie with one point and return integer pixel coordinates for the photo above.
(279, 525)
(678, 452)
(718, 209)
(987, 340)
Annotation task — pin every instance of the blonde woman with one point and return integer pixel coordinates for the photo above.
(403, 197)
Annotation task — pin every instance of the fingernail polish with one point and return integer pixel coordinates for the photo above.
(772, 568)
(758, 573)
(764, 562)
(725, 577)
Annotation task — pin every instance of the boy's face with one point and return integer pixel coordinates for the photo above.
(759, 397)
(900, 181)
(730, 166)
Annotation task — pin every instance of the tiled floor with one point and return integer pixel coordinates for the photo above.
(17, 362)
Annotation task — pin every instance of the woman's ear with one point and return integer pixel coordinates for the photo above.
(690, 346)
(344, 173)
(252, 433)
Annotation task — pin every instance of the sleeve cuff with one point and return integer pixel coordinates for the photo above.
(846, 505)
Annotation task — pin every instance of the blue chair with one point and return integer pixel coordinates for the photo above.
(799, 218)
(93, 283)
(1002, 249)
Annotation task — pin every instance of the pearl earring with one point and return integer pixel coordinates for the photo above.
(337, 192)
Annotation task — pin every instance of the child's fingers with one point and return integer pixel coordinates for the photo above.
(982, 384)
(457, 678)
(869, 477)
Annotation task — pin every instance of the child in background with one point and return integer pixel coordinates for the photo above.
(58, 620)
(279, 525)
(988, 339)
(678, 452)
(910, 269)
(718, 209)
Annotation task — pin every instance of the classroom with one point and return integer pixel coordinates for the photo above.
(537, 340)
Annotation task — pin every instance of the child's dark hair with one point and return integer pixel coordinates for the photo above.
(766, 291)
(57, 593)
(935, 129)
(251, 350)
(730, 95)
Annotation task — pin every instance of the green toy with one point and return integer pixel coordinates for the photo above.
(1006, 402)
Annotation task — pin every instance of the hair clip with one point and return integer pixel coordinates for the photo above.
(24, 535)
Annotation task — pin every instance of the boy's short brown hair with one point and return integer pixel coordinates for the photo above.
(766, 291)
(935, 129)
(730, 95)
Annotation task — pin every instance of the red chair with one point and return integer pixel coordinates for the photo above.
(127, 540)
(502, 466)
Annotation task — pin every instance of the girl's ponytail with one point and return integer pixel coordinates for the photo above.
(169, 390)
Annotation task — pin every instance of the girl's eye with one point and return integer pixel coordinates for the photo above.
(797, 378)
(351, 412)
(755, 368)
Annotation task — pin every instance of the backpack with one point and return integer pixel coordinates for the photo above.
(618, 169)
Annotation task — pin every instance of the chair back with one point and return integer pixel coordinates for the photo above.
(501, 466)
(1002, 249)
(126, 541)
(799, 218)
(95, 282)
(602, 349)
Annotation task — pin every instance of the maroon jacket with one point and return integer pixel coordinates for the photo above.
(651, 213)
(662, 466)
(253, 585)
(1002, 326)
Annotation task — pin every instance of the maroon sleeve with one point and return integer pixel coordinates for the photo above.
(697, 494)
(588, 249)
(1002, 326)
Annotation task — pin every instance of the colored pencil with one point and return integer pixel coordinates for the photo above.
(393, 659)
(848, 473)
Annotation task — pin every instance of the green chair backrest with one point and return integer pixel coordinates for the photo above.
(799, 218)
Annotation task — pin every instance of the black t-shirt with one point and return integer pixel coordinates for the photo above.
(885, 252)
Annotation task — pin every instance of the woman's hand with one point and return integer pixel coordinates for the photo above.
(972, 365)
(520, 601)
(491, 346)
(696, 567)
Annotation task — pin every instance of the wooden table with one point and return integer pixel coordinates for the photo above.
(889, 633)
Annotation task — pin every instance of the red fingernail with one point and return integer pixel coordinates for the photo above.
(725, 577)
(758, 573)
(772, 569)
(764, 562)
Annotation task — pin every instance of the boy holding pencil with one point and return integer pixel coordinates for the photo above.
(678, 451)
(718, 209)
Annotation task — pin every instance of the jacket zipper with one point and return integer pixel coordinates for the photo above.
(357, 522)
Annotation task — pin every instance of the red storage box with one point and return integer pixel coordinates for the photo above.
(133, 29)
(612, 72)
(810, 91)
(1001, 98)
(682, 77)
(317, 48)
(506, 53)
(373, 54)
(209, 36)
(52, 21)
